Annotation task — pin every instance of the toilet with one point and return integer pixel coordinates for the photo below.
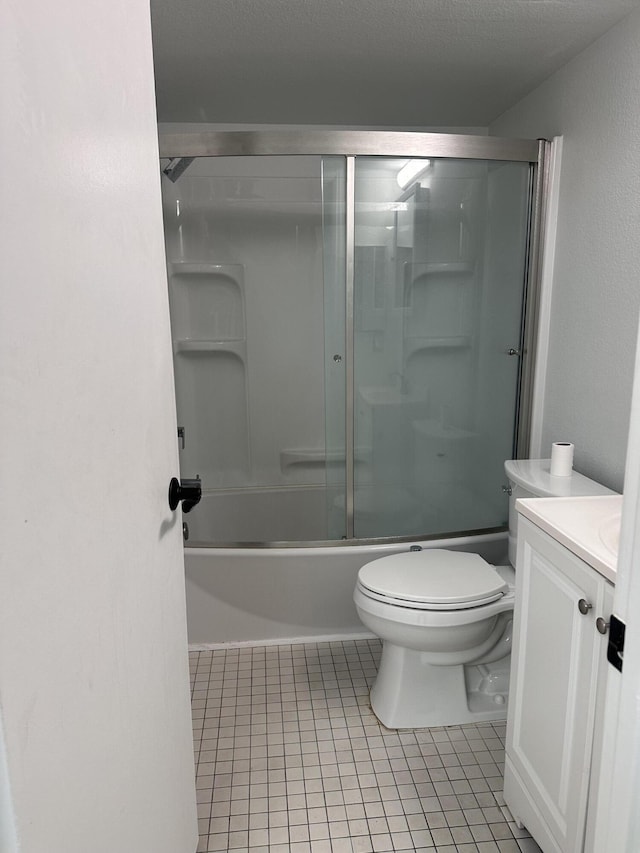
(445, 617)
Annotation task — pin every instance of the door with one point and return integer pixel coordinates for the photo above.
(94, 702)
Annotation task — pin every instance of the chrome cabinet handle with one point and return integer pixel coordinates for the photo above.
(584, 607)
(602, 625)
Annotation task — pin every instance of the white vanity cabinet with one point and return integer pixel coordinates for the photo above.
(558, 676)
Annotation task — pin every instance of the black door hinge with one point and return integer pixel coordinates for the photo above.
(615, 647)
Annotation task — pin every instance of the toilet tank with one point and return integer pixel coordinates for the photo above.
(531, 478)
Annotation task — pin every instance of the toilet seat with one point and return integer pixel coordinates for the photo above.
(433, 579)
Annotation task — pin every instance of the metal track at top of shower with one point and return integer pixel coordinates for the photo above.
(344, 143)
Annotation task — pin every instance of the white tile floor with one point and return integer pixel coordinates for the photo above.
(291, 759)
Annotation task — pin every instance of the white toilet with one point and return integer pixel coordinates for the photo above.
(444, 618)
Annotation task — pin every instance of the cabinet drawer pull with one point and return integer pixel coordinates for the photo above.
(601, 625)
(584, 607)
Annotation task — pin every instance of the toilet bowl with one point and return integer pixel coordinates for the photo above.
(437, 612)
(445, 617)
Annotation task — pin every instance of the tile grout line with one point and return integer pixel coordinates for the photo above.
(294, 723)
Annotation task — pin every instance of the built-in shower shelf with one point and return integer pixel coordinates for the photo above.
(436, 429)
(448, 267)
(207, 301)
(416, 272)
(318, 457)
(235, 272)
(450, 342)
(237, 348)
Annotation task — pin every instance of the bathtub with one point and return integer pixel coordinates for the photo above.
(238, 596)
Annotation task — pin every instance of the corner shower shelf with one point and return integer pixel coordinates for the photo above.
(318, 458)
(435, 429)
(207, 301)
(449, 267)
(237, 348)
(420, 274)
(416, 343)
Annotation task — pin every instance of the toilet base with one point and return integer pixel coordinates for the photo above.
(410, 693)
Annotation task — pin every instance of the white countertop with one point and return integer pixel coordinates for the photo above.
(588, 526)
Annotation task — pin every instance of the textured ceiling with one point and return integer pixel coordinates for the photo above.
(364, 62)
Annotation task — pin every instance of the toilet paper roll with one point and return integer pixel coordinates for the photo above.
(561, 459)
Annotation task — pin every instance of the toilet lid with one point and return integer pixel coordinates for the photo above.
(433, 579)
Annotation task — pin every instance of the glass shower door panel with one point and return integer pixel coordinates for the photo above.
(439, 281)
(244, 239)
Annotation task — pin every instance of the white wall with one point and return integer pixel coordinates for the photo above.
(594, 103)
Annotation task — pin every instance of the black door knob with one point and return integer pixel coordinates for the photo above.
(187, 491)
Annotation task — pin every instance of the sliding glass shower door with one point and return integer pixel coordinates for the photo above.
(440, 257)
(255, 250)
(349, 330)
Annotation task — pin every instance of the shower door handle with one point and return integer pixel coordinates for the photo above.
(187, 491)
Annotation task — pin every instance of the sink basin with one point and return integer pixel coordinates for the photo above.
(609, 533)
(588, 525)
(383, 396)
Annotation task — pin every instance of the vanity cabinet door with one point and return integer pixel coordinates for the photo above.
(555, 662)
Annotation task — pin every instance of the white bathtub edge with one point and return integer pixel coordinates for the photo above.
(283, 641)
(342, 550)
